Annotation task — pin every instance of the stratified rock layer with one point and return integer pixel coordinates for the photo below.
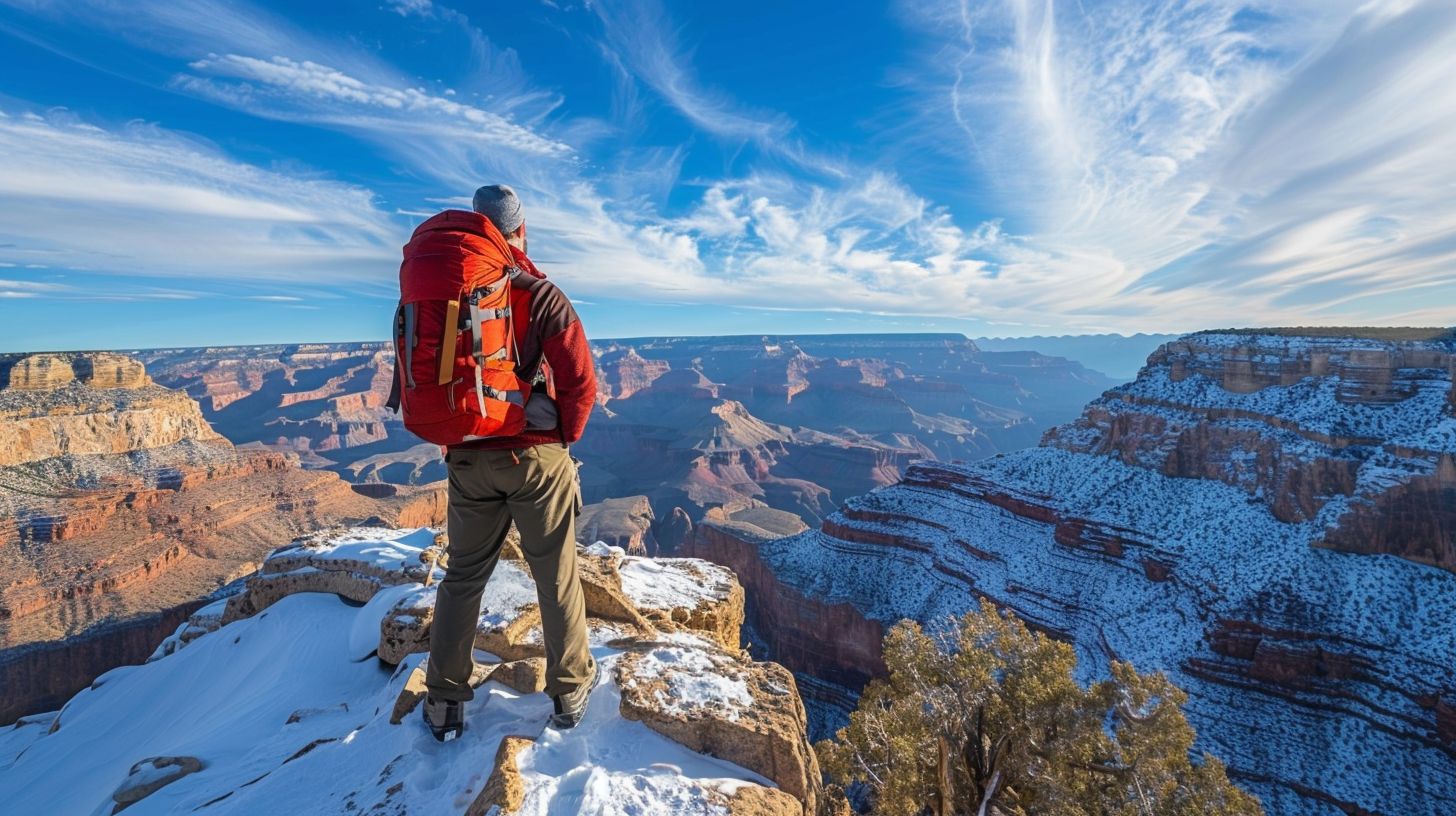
(622, 522)
(793, 423)
(119, 505)
(1265, 516)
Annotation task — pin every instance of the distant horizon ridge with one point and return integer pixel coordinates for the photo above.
(1391, 333)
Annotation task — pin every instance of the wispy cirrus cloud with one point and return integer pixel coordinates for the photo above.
(1214, 160)
(303, 90)
(15, 289)
(640, 42)
(1135, 166)
(144, 200)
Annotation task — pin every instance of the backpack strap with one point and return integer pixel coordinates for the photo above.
(392, 403)
(411, 315)
(396, 393)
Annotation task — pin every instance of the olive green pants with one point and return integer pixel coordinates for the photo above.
(537, 489)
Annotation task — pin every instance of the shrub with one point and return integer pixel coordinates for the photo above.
(987, 719)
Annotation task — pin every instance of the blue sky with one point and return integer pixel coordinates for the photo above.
(189, 173)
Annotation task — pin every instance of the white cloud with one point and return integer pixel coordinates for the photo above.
(405, 8)
(143, 200)
(304, 90)
(1208, 162)
(1158, 166)
(29, 289)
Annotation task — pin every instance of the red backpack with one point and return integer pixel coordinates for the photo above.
(454, 333)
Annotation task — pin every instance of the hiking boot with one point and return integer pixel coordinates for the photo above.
(571, 706)
(446, 718)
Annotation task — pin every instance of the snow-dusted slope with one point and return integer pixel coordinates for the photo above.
(289, 710)
(1270, 519)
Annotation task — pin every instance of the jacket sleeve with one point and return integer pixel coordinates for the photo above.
(573, 370)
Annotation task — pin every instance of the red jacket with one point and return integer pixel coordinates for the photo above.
(551, 342)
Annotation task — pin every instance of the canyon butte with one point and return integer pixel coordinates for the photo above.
(1269, 517)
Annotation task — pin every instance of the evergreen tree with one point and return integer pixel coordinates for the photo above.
(986, 719)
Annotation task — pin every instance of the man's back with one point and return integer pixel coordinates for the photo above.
(526, 478)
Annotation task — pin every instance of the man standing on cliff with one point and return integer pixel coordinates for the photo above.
(529, 478)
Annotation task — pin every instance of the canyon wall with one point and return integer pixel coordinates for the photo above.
(119, 503)
(1265, 516)
(42, 676)
(796, 423)
(792, 624)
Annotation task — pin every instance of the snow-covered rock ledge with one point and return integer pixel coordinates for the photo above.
(300, 695)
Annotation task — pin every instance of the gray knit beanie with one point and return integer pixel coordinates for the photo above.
(499, 203)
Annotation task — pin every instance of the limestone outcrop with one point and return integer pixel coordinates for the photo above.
(112, 409)
(1266, 516)
(712, 702)
(51, 370)
(1360, 428)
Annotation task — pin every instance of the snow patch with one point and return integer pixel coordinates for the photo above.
(694, 680)
(677, 583)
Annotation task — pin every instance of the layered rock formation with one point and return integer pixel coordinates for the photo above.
(1265, 516)
(120, 504)
(793, 423)
(324, 402)
(625, 522)
(800, 423)
(282, 708)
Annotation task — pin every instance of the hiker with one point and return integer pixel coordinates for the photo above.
(494, 366)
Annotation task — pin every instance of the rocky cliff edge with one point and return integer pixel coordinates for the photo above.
(300, 695)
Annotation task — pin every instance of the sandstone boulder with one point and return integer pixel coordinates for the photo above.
(405, 628)
(527, 675)
(687, 592)
(329, 562)
(151, 775)
(756, 800)
(716, 703)
(601, 587)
